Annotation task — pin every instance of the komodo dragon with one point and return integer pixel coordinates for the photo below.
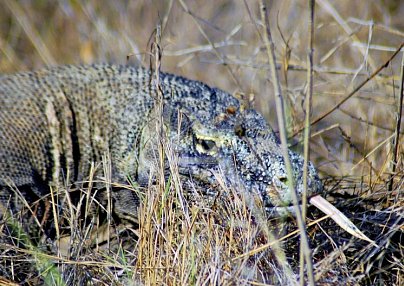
(57, 121)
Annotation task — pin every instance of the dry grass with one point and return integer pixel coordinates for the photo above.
(206, 242)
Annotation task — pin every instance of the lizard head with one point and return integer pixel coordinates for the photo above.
(213, 136)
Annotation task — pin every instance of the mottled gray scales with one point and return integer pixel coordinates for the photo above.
(59, 120)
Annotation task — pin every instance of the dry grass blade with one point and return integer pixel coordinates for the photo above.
(6, 282)
(344, 25)
(32, 34)
(339, 218)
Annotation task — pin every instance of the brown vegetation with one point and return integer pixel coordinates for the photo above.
(221, 43)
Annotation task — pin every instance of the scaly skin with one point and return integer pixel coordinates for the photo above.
(62, 119)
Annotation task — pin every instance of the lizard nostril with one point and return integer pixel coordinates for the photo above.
(283, 179)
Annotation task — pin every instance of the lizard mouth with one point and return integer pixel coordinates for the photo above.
(277, 205)
(270, 199)
(275, 212)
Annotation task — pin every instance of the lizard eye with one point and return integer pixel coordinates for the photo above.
(205, 146)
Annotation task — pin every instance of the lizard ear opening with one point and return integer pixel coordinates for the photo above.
(239, 130)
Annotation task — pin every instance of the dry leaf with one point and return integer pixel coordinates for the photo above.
(339, 218)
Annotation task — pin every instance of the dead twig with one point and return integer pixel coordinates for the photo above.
(280, 111)
(352, 93)
(306, 145)
(398, 126)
